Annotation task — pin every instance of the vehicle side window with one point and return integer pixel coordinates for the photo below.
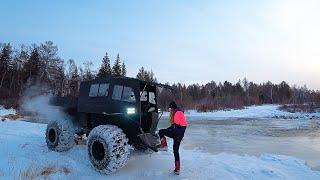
(117, 91)
(94, 90)
(152, 98)
(128, 95)
(144, 96)
(103, 90)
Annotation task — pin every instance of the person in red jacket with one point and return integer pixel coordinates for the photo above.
(175, 131)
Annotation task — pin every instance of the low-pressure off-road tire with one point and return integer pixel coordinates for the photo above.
(108, 148)
(60, 136)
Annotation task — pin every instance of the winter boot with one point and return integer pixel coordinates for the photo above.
(163, 144)
(177, 169)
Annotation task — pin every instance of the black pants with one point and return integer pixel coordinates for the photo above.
(175, 132)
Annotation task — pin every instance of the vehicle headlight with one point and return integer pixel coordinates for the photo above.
(131, 110)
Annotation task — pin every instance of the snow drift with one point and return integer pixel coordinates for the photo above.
(4, 112)
(258, 112)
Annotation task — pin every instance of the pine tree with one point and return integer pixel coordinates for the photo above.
(123, 70)
(105, 70)
(141, 74)
(60, 81)
(146, 75)
(152, 77)
(73, 79)
(5, 59)
(20, 57)
(32, 66)
(116, 69)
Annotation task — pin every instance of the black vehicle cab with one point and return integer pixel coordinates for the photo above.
(129, 103)
(113, 114)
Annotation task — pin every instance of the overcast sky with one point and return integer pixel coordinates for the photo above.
(181, 41)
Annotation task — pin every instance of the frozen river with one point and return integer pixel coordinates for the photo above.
(298, 138)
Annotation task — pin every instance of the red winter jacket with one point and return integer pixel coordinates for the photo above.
(179, 118)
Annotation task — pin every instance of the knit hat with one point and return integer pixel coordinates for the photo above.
(173, 105)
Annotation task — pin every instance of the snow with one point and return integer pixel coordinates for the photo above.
(5, 112)
(24, 155)
(262, 111)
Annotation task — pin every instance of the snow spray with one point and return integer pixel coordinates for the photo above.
(35, 103)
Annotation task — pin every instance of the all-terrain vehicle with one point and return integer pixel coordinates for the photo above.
(114, 114)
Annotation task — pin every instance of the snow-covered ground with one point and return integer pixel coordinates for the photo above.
(263, 111)
(4, 112)
(24, 154)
